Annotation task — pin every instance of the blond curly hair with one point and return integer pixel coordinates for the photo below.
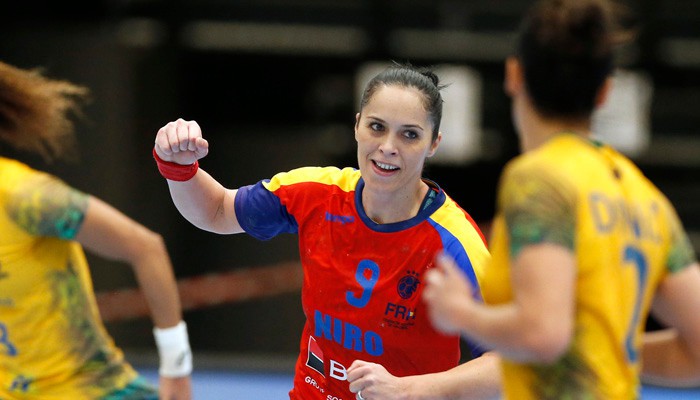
(36, 112)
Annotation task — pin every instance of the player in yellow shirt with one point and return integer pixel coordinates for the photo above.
(583, 245)
(53, 345)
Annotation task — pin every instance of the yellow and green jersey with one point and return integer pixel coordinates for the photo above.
(625, 236)
(53, 345)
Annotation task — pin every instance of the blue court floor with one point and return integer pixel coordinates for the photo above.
(220, 384)
(230, 385)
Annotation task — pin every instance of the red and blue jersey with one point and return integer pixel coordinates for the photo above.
(362, 280)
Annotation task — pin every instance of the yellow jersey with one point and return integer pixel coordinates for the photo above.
(625, 236)
(53, 345)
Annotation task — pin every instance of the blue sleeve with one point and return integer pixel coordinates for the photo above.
(455, 250)
(459, 254)
(261, 214)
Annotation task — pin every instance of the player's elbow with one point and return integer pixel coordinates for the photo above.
(146, 244)
(547, 343)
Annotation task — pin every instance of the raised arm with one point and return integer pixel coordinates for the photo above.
(200, 198)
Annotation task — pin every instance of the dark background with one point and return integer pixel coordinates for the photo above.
(270, 99)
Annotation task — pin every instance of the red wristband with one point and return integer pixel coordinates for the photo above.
(174, 171)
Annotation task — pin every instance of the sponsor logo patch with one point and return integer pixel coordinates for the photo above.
(315, 357)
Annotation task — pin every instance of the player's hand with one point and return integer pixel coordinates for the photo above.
(447, 293)
(181, 142)
(374, 381)
(175, 388)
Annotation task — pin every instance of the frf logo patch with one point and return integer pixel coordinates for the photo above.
(408, 285)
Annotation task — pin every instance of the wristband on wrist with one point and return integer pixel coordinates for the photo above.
(174, 171)
(174, 351)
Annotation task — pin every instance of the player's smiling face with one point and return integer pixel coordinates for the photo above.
(394, 137)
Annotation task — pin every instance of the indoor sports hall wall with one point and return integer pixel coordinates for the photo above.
(273, 84)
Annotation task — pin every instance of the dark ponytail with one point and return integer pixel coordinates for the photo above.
(566, 48)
